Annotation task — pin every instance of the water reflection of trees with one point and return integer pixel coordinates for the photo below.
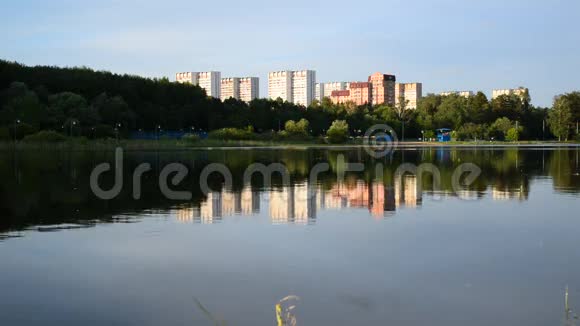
(44, 188)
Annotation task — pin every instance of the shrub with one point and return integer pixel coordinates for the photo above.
(81, 140)
(471, 131)
(499, 129)
(267, 136)
(45, 136)
(103, 131)
(4, 134)
(191, 138)
(22, 130)
(338, 132)
(429, 134)
(299, 128)
(232, 134)
(513, 134)
(283, 134)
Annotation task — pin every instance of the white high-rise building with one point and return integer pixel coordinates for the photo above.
(411, 92)
(520, 91)
(249, 88)
(210, 81)
(319, 91)
(230, 88)
(303, 87)
(280, 85)
(334, 86)
(297, 87)
(458, 93)
(240, 88)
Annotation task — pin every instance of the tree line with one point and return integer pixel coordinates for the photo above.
(99, 104)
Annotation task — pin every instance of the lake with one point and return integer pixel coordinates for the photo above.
(377, 246)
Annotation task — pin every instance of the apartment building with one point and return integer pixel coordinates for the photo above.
(326, 89)
(249, 88)
(241, 88)
(410, 92)
(319, 91)
(520, 91)
(297, 87)
(303, 87)
(230, 88)
(209, 81)
(458, 93)
(280, 85)
(334, 86)
(340, 97)
(361, 93)
(383, 88)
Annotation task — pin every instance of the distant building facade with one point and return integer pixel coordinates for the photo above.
(361, 93)
(249, 88)
(383, 88)
(319, 91)
(458, 93)
(326, 89)
(410, 92)
(303, 87)
(240, 88)
(334, 86)
(520, 91)
(209, 81)
(340, 97)
(297, 87)
(280, 85)
(230, 88)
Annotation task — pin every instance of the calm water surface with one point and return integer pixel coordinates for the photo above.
(391, 251)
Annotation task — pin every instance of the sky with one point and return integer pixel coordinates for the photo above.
(446, 45)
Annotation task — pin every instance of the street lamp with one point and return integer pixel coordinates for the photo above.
(72, 123)
(117, 127)
(17, 121)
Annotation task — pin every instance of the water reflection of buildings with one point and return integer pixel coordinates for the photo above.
(300, 203)
(497, 193)
(218, 205)
(407, 192)
(295, 204)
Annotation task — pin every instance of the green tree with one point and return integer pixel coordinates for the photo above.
(498, 130)
(403, 114)
(478, 109)
(20, 103)
(513, 134)
(471, 131)
(297, 128)
(114, 111)
(426, 109)
(338, 132)
(67, 106)
(451, 112)
(573, 101)
(509, 106)
(560, 118)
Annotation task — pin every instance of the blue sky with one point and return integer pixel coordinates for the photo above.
(447, 45)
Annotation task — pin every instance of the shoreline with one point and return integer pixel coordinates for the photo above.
(177, 145)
